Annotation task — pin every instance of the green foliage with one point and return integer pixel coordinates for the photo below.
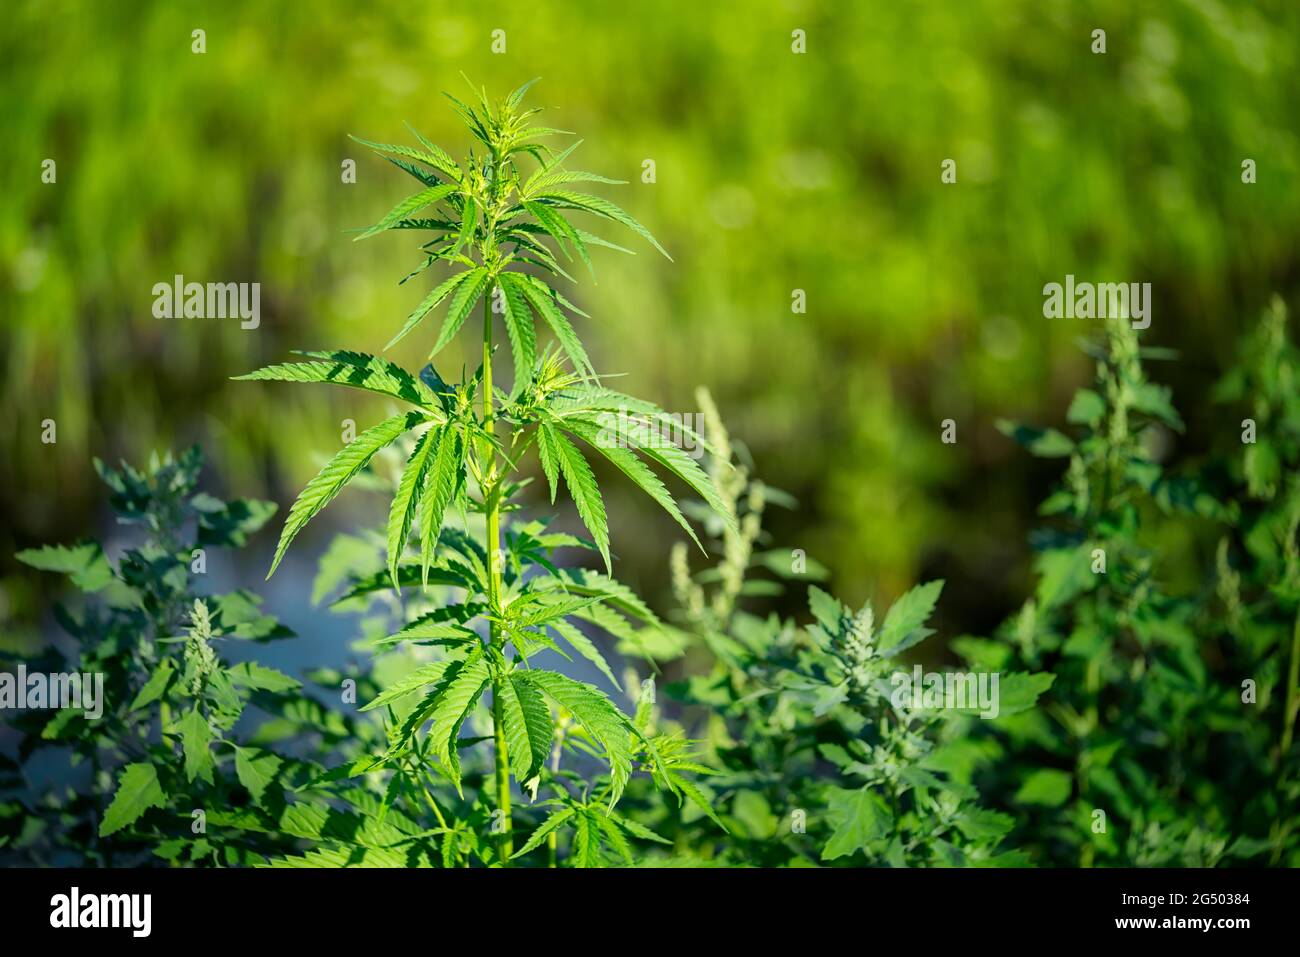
(1160, 695)
(1125, 698)
(162, 749)
(821, 761)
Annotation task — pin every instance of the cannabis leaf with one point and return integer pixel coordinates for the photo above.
(527, 725)
(321, 490)
(606, 725)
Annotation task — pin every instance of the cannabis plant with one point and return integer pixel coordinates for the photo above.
(504, 223)
(161, 754)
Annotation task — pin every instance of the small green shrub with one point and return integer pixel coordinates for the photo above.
(818, 763)
(170, 702)
(1149, 715)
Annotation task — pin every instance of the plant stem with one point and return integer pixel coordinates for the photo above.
(552, 839)
(492, 504)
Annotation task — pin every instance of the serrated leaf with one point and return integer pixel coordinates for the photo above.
(908, 613)
(256, 770)
(433, 628)
(528, 727)
(362, 765)
(627, 462)
(617, 625)
(585, 647)
(401, 514)
(196, 736)
(606, 725)
(436, 156)
(549, 165)
(462, 303)
(560, 177)
(603, 207)
(543, 301)
(826, 608)
(441, 482)
(560, 229)
(340, 470)
(419, 678)
(519, 328)
(586, 841)
(517, 95)
(468, 223)
(540, 608)
(436, 295)
(462, 686)
(430, 156)
(399, 737)
(356, 370)
(858, 818)
(425, 197)
(585, 581)
(548, 456)
(84, 563)
(680, 464)
(255, 677)
(156, 686)
(337, 857)
(641, 831)
(613, 834)
(535, 839)
(584, 491)
(427, 178)
(692, 792)
(137, 791)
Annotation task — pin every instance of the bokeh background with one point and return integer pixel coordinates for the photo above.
(775, 171)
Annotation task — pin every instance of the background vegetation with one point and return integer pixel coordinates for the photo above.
(775, 172)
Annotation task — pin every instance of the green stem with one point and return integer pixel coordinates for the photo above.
(552, 839)
(492, 504)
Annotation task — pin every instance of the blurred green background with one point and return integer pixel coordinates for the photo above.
(775, 171)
